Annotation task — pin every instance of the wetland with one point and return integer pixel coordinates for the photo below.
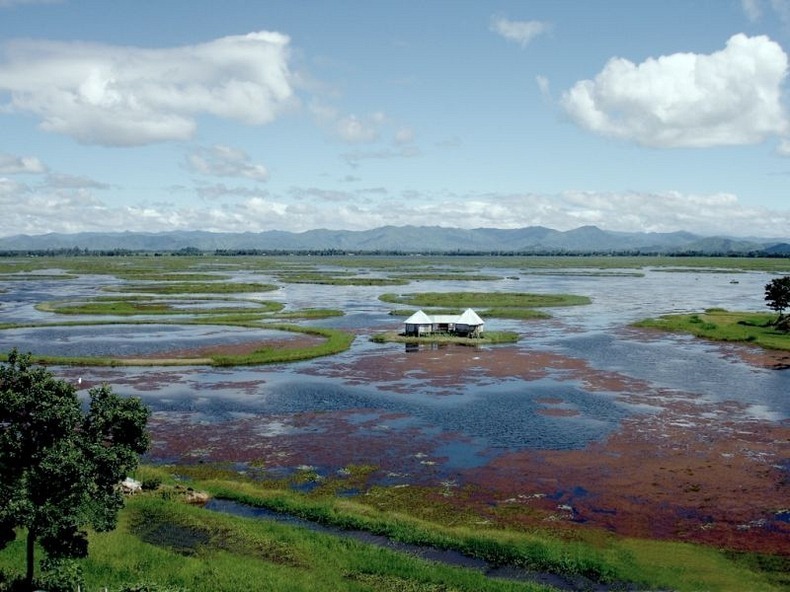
(588, 423)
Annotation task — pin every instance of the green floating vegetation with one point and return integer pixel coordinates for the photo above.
(721, 325)
(333, 280)
(485, 299)
(33, 277)
(148, 275)
(498, 313)
(194, 288)
(333, 341)
(462, 276)
(489, 338)
(146, 305)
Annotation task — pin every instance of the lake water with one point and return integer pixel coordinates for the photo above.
(481, 412)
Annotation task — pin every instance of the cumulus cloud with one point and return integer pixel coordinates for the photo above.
(224, 161)
(729, 97)
(521, 32)
(126, 96)
(13, 165)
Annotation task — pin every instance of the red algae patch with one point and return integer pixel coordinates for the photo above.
(453, 366)
(702, 473)
(679, 467)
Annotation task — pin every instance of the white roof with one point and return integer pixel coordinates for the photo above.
(418, 318)
(469, 317)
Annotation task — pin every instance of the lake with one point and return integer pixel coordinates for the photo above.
(584, 420)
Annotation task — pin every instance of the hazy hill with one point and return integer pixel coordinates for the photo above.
(409, 239)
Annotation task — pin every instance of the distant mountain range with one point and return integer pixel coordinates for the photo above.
(405, 239)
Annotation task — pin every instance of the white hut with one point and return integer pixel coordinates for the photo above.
(467, 324)
(418, 324)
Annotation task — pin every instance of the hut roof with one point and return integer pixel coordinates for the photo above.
(418, 318)
(469, 317)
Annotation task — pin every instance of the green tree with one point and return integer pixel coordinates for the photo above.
(60, 463)
(777, 295)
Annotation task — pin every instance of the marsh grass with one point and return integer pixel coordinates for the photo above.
(150, 305)
(334, 341)
(330, 279)
(193, 288)
(422, 516)
(722, 325)
(169, 543)
(484, 299)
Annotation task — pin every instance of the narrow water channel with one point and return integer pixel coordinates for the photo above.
(428, 553)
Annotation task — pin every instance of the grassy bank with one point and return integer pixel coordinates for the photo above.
(332, 341)
(485, 299)
(722, 325)
(163, 541)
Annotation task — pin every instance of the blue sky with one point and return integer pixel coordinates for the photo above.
(291, 115)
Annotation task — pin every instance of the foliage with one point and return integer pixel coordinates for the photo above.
(722, 325)
(777, 295)
(60, 466)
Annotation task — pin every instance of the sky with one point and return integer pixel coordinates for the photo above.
(242, 116)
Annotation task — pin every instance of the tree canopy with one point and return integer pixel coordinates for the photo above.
(777, 294)
(60, 463)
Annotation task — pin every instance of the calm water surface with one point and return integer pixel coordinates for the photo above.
(484, 415)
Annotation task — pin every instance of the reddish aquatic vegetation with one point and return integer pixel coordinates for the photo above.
(682, 468)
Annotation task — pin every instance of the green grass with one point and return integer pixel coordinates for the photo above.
(172, 544)
(145, 305)
(333, 341)
(193, 288)
(485, 299)
(722, 325)
(329, 279)
(162, 540)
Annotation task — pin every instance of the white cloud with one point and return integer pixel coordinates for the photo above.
(65, 181)
(405, 151)
(220, 190)
(224, 161)
(125, 96)
(42, 209)
(544, 87)
(404, 135)
(351, 128)
(729, 97)
(12, 165)
(752, 9)
(521, 32)
(355, 130)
